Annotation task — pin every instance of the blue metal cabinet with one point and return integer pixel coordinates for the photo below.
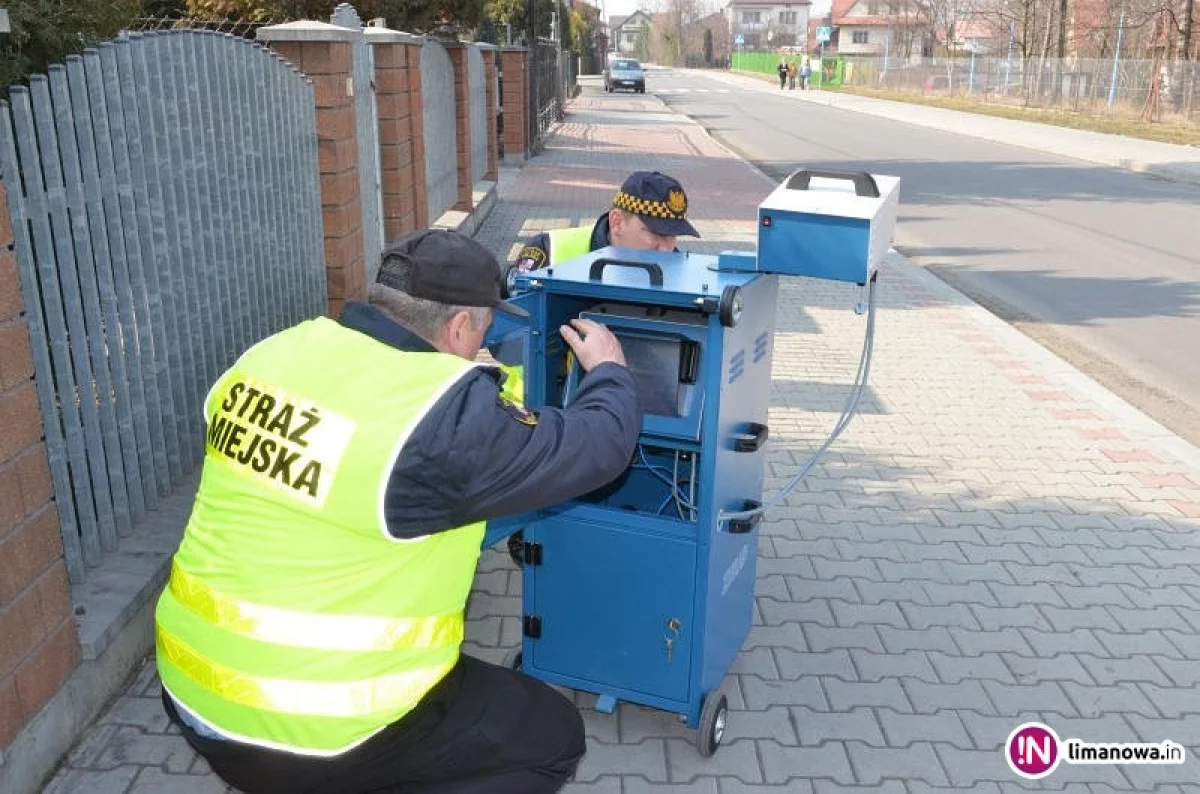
(641, 591)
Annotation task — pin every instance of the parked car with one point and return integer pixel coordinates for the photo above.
(625, 73)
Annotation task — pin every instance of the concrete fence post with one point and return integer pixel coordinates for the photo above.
(462, 124)
(401, 148)
(491, 57)
(515, 62)
(325, 53)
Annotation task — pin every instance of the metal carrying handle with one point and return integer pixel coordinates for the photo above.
(740, 526)
(864, 183)
(750, 439)
(597, 270)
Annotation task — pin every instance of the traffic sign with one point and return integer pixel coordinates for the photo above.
(739, 39)
(824, 34)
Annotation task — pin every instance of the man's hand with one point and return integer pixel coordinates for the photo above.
(593, 343)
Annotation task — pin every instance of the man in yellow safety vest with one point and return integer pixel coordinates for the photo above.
(309, 637)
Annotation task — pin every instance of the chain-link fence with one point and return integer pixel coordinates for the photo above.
(236, 27)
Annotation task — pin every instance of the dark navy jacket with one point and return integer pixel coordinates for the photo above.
(475, 457)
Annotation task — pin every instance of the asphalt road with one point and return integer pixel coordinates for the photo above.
(1100, 265)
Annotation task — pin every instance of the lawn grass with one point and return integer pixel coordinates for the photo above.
(1165, 132)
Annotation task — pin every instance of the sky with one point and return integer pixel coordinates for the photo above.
(626, 7)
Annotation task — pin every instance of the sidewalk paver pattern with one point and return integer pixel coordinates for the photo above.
(994, 540)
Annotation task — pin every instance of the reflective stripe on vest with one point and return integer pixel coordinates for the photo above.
(398, 692)
(307, 630)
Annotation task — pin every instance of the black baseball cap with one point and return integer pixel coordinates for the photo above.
(659, 200)
(446, 267)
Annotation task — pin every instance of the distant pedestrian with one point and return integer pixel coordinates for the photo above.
(792, 71)
(782, 69)
(805, 73)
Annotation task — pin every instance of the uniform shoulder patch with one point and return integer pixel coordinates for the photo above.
(531, 258)
(517, 411)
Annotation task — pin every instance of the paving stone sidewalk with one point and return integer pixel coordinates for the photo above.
(994, 540)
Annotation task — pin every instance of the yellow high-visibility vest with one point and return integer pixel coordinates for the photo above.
(293, 619)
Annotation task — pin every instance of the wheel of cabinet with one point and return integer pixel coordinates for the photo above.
(512, 659)
(712, 724)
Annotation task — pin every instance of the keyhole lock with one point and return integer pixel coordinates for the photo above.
(672, 632)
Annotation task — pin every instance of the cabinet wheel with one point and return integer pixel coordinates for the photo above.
(712, 724)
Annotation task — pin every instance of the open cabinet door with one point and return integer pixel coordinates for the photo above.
(508, 342)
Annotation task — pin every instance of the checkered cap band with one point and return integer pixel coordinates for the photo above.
(640, 206)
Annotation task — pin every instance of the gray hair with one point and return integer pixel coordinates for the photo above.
(424, 318)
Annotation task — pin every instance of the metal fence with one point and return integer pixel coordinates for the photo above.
(553, 81)
(1164, 91)
(165, 199)
(1123, 87)
(367, 134)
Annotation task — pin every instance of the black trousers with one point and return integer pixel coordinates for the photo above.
(483, 729)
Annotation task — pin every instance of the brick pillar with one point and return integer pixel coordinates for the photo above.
(39, 648)
(491, 55)
(398, 96)
(325, 53)
(515, 62)
(462, 124)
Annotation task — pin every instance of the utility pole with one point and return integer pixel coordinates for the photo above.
(1112, 83)
(532, 70)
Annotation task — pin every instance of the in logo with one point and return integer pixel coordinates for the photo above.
(1032, 750)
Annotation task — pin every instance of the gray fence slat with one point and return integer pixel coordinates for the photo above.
(111, 145)
(216, 175)
(234, 164)
(196, 162)
(40, 337)
(145, 372)
(259, 194)
(173, 142)
(308, 198)
(367, 129)
(254, 187)
(108, 245)
(155, 202)
(51, 239)
(286, 135)
(271, 140)
(91, 248)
